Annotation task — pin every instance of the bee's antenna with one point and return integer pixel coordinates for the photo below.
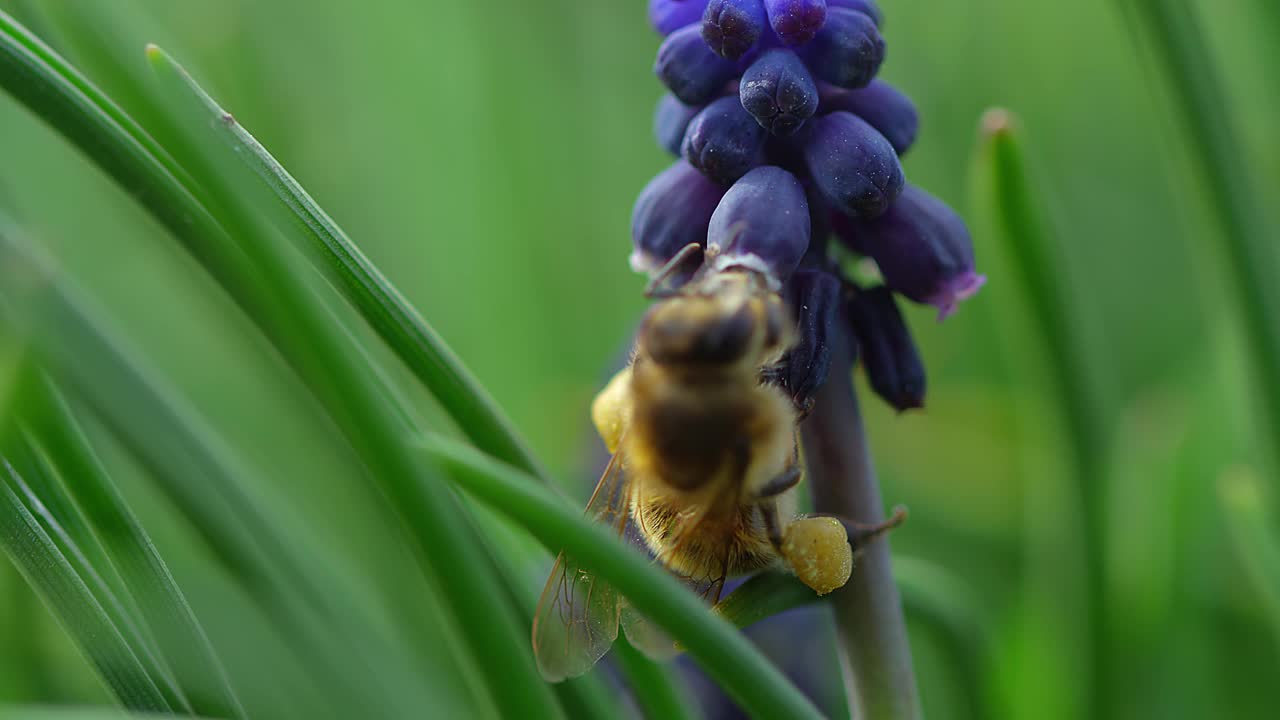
(654, 289)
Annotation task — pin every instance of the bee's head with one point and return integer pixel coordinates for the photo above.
(726, 321)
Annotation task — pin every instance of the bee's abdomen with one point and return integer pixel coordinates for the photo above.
(692, 436)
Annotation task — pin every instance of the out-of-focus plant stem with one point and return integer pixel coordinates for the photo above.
(874, 651)
(1011, 205)
(1179, 54)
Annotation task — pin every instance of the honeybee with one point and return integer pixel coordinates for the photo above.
(704, 467)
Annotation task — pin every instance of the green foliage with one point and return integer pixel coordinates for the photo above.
(217, 484)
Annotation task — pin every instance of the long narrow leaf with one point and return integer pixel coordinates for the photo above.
(204, 479)
(713, 642)
(1010, 206)
(50, 712)
(321, 356)
(1254, 535)
(186, 646)
(38, 559)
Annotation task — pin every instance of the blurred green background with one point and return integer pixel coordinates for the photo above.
(486, 155)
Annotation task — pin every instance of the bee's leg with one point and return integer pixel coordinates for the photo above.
(860, 534)
(772, 524)
(815, 298)
(785, 480)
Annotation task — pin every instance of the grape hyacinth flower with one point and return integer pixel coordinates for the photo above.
(787, 140)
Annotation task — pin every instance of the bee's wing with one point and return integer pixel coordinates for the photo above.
(577, 617)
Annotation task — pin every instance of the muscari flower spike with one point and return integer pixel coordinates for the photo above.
(787, 137)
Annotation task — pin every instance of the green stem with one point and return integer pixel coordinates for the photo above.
(872, 633)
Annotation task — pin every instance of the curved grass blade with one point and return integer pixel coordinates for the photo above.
(208, 483)
(404, 330)
(51, 712)
(185, 646)
(49, 503)
(47, 570)
(1011, 210)
(726, 656)
(320, 354)
(1179, 54)
(658, 691)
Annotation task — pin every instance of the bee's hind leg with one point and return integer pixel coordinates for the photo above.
(861, 534)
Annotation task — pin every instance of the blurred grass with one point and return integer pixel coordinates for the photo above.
(496, 196)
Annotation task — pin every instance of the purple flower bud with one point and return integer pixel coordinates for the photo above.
(847, 51)
(667, 16)
(672, 211)
(853, 166)
(670, 120)
(762, 224)
(779, 91)
(732, 27)
(796, 21)
(724, 141)
(689, 69)
(815, 299)
(888, 353)
(883, 107)
(866, 7)
(923, 249)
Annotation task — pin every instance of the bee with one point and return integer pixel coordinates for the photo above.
(703, 473)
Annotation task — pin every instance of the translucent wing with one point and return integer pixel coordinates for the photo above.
(577, 617)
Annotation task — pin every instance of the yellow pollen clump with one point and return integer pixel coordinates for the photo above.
(817, 548)
(611, 410)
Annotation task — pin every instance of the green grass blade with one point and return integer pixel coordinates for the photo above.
(1253, 533)
(47, 570)
(201, 675)
(322, 357)
(48, 501)
(328, 247)
(1011, 211)
(1179, 54)
(50, 712)
(721, 650)
(207, 482)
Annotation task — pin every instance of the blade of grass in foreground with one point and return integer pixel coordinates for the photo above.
(50, 712)
(718, 647)
(183, 641)
(47, 570)
(1010, 208)
(328, 247)
(1180, 56)
(319, 352)
(321, 620)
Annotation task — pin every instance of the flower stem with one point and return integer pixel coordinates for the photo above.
(872, 634)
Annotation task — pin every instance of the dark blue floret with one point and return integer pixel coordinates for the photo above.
(815, 297)
(724, 141)
(867, 7)
(689, 69)
(762, 223)
(667, 16)
(673, 210)
(670, 120)
(796, 21)
(848, 51)
(732, 27)
(883, 107)
(923, 250)
(888, 353)
(853, 166)
(779, 91)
